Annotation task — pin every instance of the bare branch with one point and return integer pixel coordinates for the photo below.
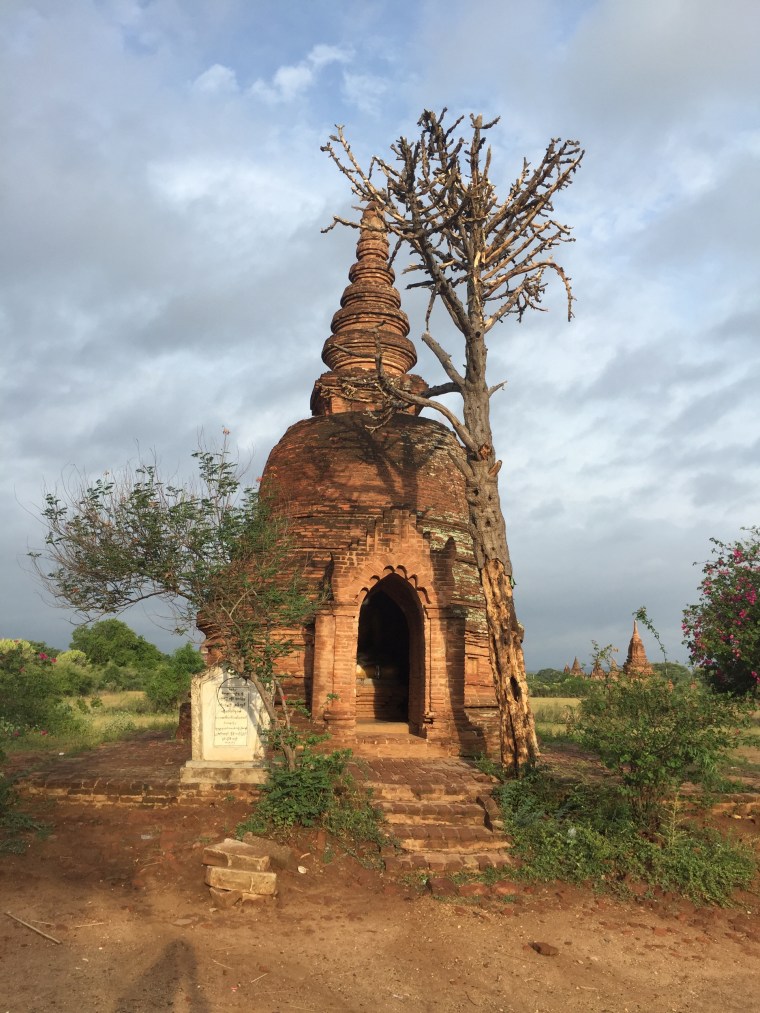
(442, 388)
(445, 360)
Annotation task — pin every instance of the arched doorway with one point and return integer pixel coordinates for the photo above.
(388, 653)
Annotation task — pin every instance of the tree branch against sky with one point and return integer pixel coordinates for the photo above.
(483, 259)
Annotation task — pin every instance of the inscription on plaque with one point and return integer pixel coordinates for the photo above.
(231, 717)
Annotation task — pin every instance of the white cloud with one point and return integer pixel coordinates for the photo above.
(367, 92)
(217, 80)
(291, 81)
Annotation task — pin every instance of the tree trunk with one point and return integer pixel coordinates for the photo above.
(517, 733)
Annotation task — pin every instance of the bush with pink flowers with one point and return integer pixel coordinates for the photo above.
(722, 631)
(31, 693)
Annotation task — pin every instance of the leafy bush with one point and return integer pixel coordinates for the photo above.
(167, 686)
(656, 734)
(117, 678)
(75, 674)
(319, 792)
(567, 685)
(722, 630)
(14, 824)
(31, 694)
(673, 671)
(589, 833)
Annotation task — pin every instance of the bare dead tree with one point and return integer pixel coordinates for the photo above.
(484, 260)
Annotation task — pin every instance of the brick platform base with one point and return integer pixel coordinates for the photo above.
(140, 771)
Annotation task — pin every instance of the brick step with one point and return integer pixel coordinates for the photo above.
(419, 793)
(452, 837)
(447, 861)
(394, 747)
(386, 750)
(431, 812)
(430, 780)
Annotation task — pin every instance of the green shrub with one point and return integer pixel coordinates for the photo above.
(567, 685)
(75, 674)
(656, 734)
(583, 833)
(165, 688)
(15, 825)
(118, 678)
(31, 694)
(319, 792)
(168, 684)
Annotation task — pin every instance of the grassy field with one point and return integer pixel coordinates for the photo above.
(116, 716)
(551, 714)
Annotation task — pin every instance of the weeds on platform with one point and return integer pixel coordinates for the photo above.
(320, 792)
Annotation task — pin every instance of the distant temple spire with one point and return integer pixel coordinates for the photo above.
(370, 321)
(637, 662)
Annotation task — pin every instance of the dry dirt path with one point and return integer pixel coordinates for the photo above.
(122, 888)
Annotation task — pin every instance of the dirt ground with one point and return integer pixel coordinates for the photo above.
(122, 889)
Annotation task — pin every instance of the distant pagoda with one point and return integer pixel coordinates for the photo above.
(637, 663)
(597, 672)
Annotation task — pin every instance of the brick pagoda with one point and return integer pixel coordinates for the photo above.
(378, 523)
(637, 662)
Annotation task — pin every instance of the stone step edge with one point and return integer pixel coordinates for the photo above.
(428, 818)
(406, 793)
(415, 773)
(154, 796)
(447, 845)
(420, 806)
(451, 861)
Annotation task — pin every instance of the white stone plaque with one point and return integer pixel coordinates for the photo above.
(229, 718)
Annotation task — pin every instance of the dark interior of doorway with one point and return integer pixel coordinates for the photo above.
(382, 658)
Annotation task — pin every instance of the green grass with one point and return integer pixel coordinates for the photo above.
(551, 714)
(550, 705)
(118, 716)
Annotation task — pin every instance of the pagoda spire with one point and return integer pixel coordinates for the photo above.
(637, 662)
(370, 322)
(370, 310)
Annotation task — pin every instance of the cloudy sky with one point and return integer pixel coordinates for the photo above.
(162, 268)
